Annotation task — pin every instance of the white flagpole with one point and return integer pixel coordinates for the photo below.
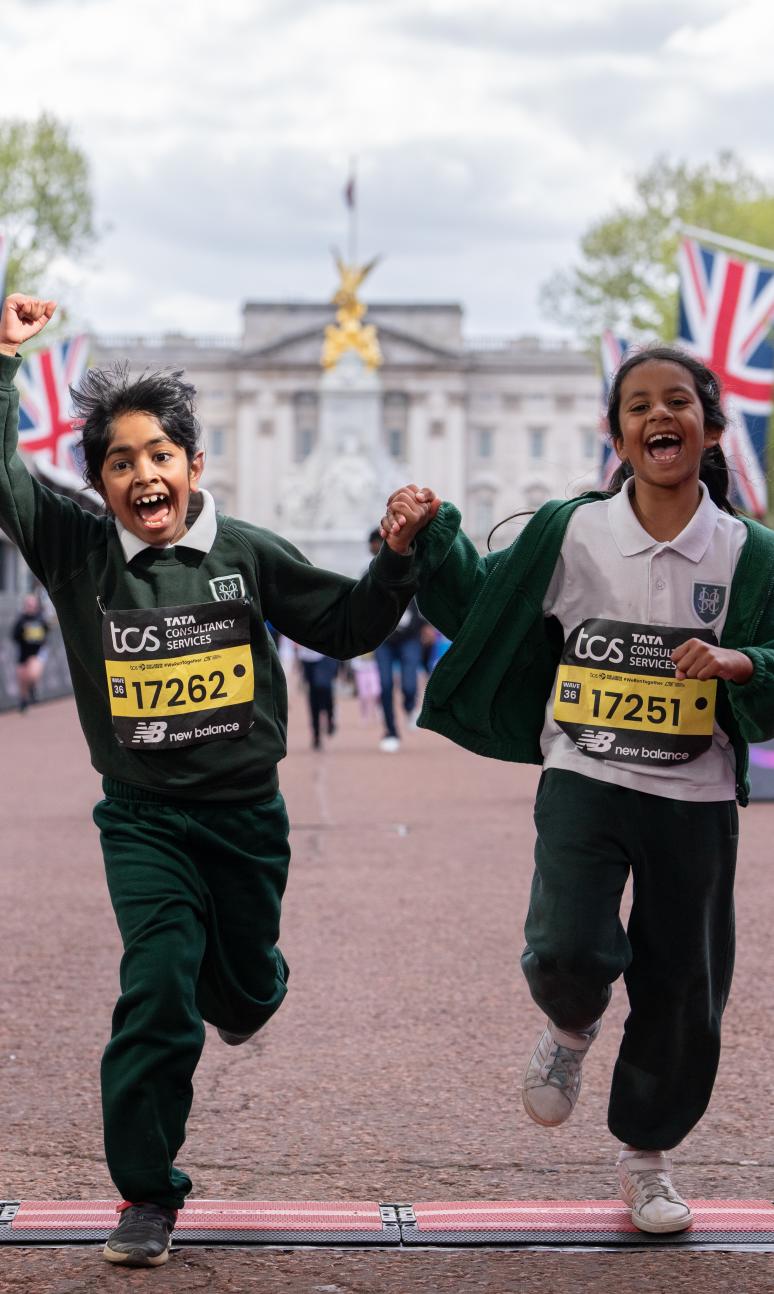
(731, 244)
(3, 263)
(353, 213)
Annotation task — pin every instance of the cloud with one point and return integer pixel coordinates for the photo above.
(555, 29)
(488, 137)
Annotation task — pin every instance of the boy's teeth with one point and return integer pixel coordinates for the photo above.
(153, 509)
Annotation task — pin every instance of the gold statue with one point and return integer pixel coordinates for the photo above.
(349, 333)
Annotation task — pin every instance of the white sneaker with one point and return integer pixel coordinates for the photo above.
(646, 1186)
(389, 745)
(552, 1082)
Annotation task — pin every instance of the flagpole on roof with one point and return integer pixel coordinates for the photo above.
(350, 194)
(731, 244)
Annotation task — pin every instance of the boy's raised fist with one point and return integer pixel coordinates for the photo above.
(22, 317)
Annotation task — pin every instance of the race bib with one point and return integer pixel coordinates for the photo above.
(179, 676)
(617, 697)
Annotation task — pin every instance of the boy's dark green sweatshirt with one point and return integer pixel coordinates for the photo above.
(489, 691)
(78, 558)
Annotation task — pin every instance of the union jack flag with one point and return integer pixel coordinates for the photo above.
(726, 312)
(613, 350)
(46, 429)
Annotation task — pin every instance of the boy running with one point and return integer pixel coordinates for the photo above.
(182, 699)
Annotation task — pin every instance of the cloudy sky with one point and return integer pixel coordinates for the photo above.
(488, 135)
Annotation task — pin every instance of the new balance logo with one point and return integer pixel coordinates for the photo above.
(149, 732)
(595, 743)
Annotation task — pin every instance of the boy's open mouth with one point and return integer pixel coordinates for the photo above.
(153, 509)
(664, 446)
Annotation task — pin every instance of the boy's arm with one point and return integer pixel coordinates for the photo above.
(45, 526)
(341, 617)
(328, 612)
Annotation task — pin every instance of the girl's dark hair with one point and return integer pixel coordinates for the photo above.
(714, 468)
(104, 394)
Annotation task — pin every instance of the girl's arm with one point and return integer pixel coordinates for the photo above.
(749, 674)
(450, 571)
(753, 702)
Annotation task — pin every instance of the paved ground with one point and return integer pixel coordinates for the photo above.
(392, 1071)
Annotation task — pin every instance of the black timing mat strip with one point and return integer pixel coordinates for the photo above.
(226, 1222)
(583, 1222)
(529, 1223)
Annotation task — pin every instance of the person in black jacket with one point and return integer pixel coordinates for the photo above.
(29, 633)
(402, 649)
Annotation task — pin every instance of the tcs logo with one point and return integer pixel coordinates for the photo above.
(597, 648)
(134, 640)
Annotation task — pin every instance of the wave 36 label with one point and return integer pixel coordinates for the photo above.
(617, 696)
(179, 676)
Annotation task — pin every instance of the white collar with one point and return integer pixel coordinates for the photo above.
(201, 534)
(631, 537)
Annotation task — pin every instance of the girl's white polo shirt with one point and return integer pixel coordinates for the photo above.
(610, 568)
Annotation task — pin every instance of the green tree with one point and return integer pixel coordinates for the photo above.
(45, 198)
(627, 278)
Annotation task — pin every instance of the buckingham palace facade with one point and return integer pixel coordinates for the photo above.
(494, 425)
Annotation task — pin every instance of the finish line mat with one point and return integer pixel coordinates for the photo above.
(718, 1223)
(584, 1222)
(222, 1222)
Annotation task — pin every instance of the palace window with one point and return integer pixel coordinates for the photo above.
(484, 441)
(305, 421)
(537, 443)
(395, 423)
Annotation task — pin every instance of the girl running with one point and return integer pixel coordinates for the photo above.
(626, 642)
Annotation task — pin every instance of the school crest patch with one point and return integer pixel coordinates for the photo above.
(709, 600)
(227, 587)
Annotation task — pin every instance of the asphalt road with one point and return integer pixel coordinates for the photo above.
(393, 1069)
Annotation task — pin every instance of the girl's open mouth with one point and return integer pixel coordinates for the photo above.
(153, 510)
(664, 447)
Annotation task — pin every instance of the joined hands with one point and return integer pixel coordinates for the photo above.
(409, 510)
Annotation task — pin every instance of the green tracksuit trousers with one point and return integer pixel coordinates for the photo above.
(676, 954)
(196, 889)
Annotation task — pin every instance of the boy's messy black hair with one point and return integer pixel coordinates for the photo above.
(714, 468)
(105, 394)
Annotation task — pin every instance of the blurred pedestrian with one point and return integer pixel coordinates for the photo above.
(400, 652)
(319, 674)
(368, 688)
(30, 633)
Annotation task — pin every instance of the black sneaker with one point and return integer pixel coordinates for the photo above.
(234, 1039)
(142, 1237)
